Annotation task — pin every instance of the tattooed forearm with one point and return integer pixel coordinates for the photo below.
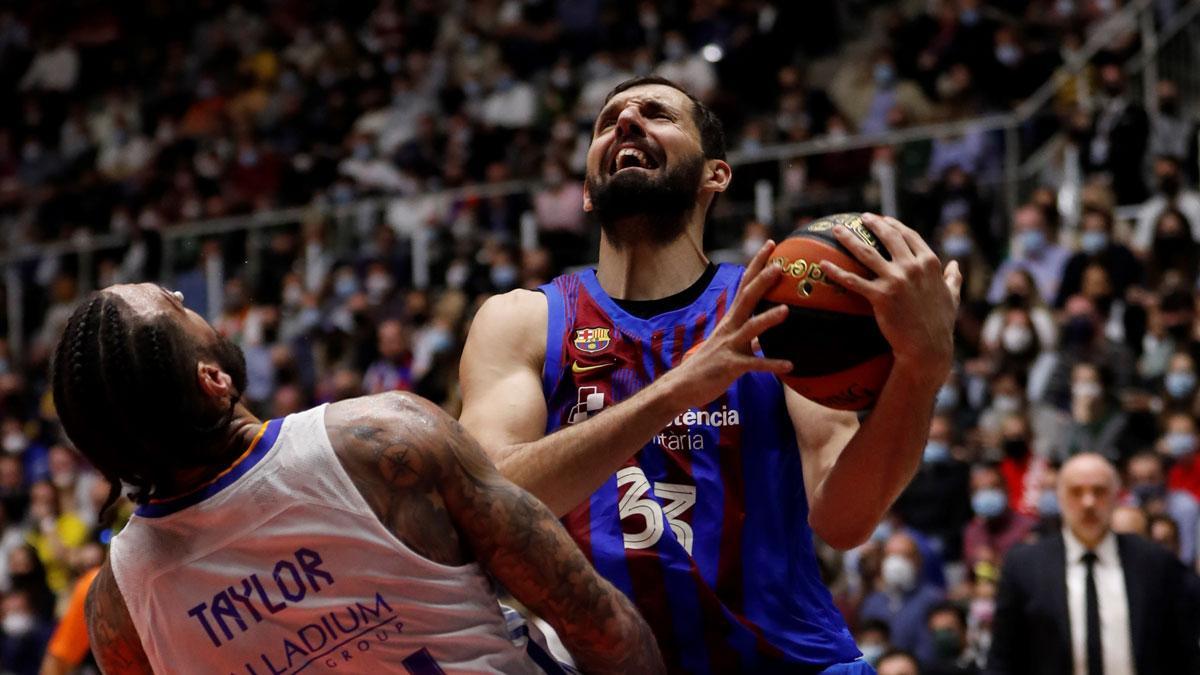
(527, 549)
(432, 480)
(114, 640)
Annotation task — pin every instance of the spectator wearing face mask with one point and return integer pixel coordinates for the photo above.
(1020, 294)
(1007, 398)
(873, 639)
(903, 601)
(392, 371)
(947, 624)
(23, 637)
(957, 243)
(1082, 341)
(1021, 468)
(1179, 383)
(1147, 489)
(996, 527)
(54, 533)
(867, 92)
(1033, 250)
(1171, 193)
(937, 500)
(1174, 256)
(1098, 423)
(1180, 444)
(1018, 344)
(1097, 245)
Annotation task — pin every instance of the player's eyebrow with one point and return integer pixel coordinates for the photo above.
(648, 106)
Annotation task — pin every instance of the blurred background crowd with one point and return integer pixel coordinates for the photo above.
(407, 159)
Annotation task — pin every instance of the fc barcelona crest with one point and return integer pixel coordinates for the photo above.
(592, 340)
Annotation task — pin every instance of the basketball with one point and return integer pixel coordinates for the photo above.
(839, 358)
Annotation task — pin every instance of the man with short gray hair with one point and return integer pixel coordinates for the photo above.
(1089, 601)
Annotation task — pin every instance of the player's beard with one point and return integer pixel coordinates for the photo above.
(637, 206)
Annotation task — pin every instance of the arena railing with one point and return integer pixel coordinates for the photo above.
(356, 219)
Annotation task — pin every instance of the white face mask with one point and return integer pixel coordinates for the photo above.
(14, 443)
(1086, 390)
(16, 624)
(1016, 339)
(1004, 403)
(899, 573)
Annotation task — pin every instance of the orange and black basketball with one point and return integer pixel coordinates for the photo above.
(839, 357)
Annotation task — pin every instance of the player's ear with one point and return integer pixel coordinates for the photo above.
(717, 174)
(214, 382)
(587, 198)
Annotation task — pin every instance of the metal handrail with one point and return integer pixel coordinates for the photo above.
(263, 219)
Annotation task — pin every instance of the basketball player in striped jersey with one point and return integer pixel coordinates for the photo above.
(694, 481)
(354, 537)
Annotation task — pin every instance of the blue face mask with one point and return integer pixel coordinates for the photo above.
(1032, 241)
(936, 451)
(1180, 443)
(989, 502)
(1093, 242)
(956, 246)
(884, 74)
(883, 531)
(947, 398)
(1180, 384)
(1047, 503)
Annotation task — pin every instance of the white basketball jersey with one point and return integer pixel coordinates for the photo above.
(280, 566)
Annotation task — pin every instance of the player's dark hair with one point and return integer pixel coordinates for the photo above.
(712, 132)
(126, 392)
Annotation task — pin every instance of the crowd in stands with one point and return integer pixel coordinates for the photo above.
(1078, 330)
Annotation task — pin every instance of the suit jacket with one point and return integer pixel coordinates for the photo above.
(1031, 633)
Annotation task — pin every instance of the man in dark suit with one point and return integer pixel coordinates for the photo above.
(1091, 602)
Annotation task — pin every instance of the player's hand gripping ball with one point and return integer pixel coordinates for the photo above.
(839, 357)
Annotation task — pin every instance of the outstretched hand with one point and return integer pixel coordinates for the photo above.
(914, 298)
(728, 353)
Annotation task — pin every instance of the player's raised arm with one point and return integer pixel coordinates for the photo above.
(418, 449)
(504, 407)
(853, 474)
(115, 642)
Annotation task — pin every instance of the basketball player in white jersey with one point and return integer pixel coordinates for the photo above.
(356, 537)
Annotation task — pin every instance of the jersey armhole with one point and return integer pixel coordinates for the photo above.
(555, 320)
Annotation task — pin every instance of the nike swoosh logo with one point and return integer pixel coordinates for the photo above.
(576, 368)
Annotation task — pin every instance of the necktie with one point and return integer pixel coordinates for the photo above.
(1095, 655)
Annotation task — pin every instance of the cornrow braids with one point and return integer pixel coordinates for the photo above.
(126, 394)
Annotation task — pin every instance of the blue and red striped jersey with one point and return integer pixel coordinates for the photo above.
(706, 527)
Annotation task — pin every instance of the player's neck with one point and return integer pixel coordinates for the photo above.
(650, 272)
(239, 435)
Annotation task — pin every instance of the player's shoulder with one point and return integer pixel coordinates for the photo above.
(352, 419)
(367, 433)
(511, 324)
(514, 308)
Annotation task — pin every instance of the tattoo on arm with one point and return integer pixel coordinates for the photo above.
(115, 641)
(429, 456)
(527, 549)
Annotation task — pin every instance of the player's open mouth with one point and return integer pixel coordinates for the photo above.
(630, 157)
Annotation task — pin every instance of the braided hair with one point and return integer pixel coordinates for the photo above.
(126, 392)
